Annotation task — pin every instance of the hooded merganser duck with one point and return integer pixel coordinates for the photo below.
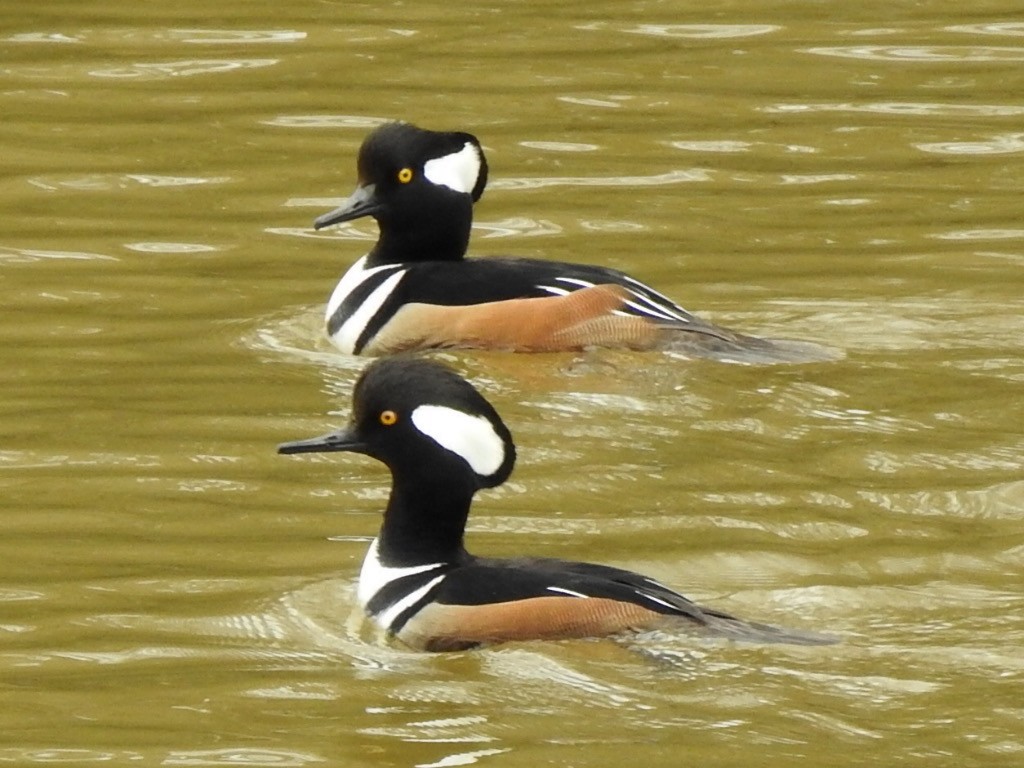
(443, 442)
(416, 289)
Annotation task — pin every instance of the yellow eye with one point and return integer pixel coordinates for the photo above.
(387, 418)
(405, 175)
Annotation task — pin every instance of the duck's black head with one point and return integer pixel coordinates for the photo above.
(426, 423)
(420, 186)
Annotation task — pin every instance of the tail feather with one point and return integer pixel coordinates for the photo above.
(723, 625)
(746, 349)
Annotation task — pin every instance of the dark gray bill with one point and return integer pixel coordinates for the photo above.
(362, 202)
(344, 439)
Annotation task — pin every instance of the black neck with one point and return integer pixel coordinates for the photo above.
(434, 244)
(425, 521)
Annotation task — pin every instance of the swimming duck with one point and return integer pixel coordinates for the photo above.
(416, 289)
(443, 441)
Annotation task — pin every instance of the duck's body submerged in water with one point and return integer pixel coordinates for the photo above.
(443, 442)
(416, 289)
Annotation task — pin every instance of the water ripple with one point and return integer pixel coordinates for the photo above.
(1004, 144)
(145, 36)
(920, 53)
(100, 181)
(528, 667)
(816, 178)
(202, 485)
(1011, 28)
(690, 31)
(155, 180)
(712, 146)
(11, 595)
(230, 36)
(613, 226)
(451, 730)
(559, 146)
(659, 179)
(41, 37)
(1000, 458)
(171, 247)
(30, 255)
(184, 68)
(326, 121)
(299, 334)
(312, 202)
(914, 109)
(1001, 501)
(462, 758)
(980, 234)
(610, 102)
(34, 460)
(60, 755)
(277, 758)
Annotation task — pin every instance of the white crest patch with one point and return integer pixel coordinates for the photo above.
(471, 437)
(458, 171)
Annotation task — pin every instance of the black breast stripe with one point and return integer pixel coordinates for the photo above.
(395, 590)
(355, 299)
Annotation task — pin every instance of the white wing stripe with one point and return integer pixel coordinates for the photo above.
(576, 281)
(658, 600)
(652, 307)
(564, 591)
(655, 309)
(648, 290)
(554, 290)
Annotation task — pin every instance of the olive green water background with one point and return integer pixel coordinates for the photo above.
(172, 593)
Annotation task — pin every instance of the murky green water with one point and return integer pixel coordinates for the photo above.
(173, 593)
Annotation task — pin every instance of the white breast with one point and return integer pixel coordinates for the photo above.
(352, 327)
(374, 576)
